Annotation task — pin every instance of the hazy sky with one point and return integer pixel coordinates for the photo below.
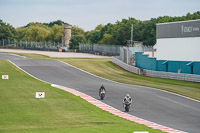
(87, 14)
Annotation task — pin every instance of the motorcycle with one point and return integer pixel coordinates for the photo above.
(102, 95)
(127, 106)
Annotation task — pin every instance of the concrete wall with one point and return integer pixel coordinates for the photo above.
(169, 75)
(125, 66)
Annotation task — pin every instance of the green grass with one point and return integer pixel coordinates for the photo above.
(59, 112)
(105, 68)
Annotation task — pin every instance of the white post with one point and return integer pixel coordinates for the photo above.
(127, 55)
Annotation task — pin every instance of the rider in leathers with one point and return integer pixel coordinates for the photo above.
(127, 99)
(102, 89)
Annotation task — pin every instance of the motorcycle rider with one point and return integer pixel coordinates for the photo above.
(127, 100)
(102, 90)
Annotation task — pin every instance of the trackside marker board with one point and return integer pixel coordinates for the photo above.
(40, 95)
(4, 76)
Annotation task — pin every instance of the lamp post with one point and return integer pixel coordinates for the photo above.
(132, 35)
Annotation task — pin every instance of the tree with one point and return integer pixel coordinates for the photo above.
(51, 24)
(77, 31)
(149, 32)
(107, 39)
(7, 31)
(56, 33)
(99, 27)
(75, 40)
(36, 33)
(21, 33)
(93, 36)
(144, 31)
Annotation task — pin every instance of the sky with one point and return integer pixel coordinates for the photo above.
(87, 14)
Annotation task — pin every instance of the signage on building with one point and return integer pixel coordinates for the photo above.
(180, 29)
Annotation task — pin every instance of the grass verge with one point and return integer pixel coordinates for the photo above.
(60, 111)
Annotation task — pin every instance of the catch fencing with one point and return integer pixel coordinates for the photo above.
(157, 74)
(47, 46)
(100, 49)
(127, 54)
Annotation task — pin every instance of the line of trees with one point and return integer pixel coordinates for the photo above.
(144, 31)
(41, 32)
(113, 34)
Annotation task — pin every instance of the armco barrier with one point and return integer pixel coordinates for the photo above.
(157, 74)
(126, 66)
(176, 76)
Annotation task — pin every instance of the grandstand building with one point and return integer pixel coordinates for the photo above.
(177, 48)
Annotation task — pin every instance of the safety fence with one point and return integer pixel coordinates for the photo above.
(157, 74)
(47, 46)
(100, 49)
(147, 48)
(127, 54)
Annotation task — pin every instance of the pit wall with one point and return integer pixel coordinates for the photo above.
(148, 63)
(158, 74)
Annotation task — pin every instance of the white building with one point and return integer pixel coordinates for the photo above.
(178, 41)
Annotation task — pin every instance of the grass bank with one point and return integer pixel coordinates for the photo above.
(59, 112)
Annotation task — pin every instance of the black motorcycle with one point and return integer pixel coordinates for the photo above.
(127, 106)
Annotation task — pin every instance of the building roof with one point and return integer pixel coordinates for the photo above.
(178, 22)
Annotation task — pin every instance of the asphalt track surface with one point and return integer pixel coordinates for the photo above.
(150, 104)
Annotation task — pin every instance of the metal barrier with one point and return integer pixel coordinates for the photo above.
(100, 49)
(47, 46)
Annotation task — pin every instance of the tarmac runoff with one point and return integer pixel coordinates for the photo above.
(55, 54)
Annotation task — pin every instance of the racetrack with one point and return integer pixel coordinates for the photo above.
(150, 104)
